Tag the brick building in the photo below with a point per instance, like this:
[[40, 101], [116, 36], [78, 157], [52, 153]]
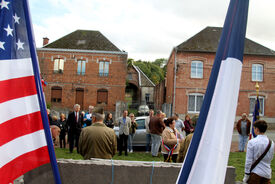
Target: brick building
[[189, 68], [83, 67]]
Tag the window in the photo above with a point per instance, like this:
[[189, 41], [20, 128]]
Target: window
[[195, 102], [81, 67], [196, 69], [257, 72], [252, 101], [140, 123], [147, 97], [102, 96], [58, 65], [56, 95], [130, 76], [103, 68]]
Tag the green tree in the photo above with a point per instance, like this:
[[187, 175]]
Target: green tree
[[153, 70], [160, 62]]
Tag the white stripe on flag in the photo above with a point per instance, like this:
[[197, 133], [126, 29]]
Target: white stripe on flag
[[215, 142], [18, 107], [21, 145], [15, 68]]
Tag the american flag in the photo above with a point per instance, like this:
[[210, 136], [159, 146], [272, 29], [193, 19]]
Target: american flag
[[23, 144]]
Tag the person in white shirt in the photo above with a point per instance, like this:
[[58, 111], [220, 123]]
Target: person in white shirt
[[255, 148], [88, 117]]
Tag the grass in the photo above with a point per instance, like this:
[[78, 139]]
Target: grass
[[136, 156], [236, 159]]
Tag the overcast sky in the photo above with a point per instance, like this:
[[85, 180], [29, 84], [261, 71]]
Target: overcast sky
[[146, 29]]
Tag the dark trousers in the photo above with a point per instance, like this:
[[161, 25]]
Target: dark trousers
[[256, 179], [73, 141], [122, 143], [174, 157], [62, 140]]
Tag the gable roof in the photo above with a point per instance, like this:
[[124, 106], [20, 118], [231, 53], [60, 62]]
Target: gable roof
[[208, 39], [83, 40], [143, 80]]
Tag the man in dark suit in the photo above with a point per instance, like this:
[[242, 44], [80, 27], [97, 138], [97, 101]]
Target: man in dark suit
[[74, 122]]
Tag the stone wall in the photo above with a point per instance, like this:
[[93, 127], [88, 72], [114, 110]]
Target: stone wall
[[114, 172]]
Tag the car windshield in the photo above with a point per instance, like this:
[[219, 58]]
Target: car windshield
[[143, 108], [141, 123]]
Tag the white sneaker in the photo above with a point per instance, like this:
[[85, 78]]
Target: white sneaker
[[131, 151], [127, 150]]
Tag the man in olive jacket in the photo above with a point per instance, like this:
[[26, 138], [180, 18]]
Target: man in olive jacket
[[97, 140]]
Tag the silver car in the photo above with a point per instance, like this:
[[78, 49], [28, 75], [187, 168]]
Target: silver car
[[140, 135]]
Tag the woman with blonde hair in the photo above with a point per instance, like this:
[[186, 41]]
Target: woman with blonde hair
[[62, 124]]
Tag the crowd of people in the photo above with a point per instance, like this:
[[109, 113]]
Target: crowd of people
[[94, 137], [160, 131]]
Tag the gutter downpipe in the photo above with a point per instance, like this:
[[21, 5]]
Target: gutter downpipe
[[175, 79]]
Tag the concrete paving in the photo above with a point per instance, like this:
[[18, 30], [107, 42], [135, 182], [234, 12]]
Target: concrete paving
[[270, 134]]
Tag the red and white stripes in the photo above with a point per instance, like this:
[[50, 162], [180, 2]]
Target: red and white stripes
[[23, 144]]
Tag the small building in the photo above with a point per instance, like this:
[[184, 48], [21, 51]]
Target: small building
[[140, 89], [83, 67], [190, 64]]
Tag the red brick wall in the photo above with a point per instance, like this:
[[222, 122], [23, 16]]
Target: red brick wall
[[185, 84], [159, 95], [69, 80], [170, 79]]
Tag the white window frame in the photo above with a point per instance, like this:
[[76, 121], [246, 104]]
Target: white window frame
[[257, 73], [196, 75], [194, 94], [104, 71], [81, 67], [261, 113], [58, 65]]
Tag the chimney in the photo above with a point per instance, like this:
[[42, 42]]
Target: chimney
[[45, 41]]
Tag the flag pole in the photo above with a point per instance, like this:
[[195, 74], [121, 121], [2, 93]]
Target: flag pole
[[251, 126], [256, 109], [40, 94], [257, 88]]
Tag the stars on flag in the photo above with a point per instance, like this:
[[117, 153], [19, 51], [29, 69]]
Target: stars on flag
[[16, 19], [11, 26], [2, 45], [4, 4], [9, 30], [20, 45]]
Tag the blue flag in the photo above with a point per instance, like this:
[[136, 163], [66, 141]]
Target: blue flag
[[207, 157], [256, 114]]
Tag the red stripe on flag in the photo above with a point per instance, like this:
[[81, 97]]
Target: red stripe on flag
[[23, 164], [17, 88], [20, 126]]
